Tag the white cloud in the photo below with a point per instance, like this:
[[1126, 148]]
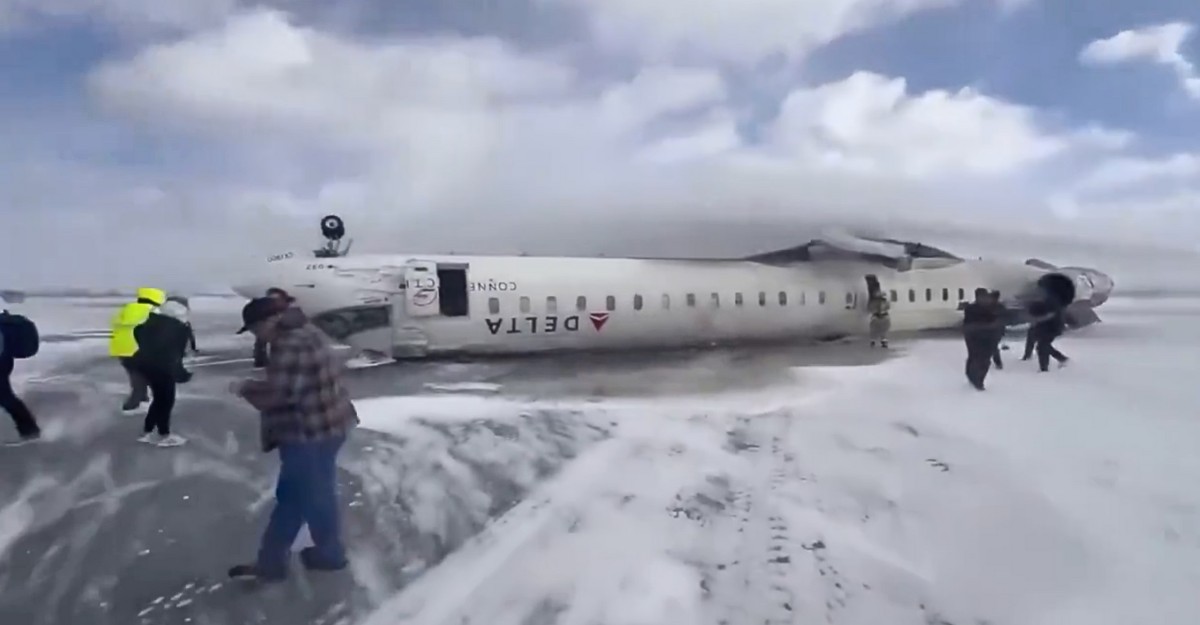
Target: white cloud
[[480, 97], [871, 122], [740, 30], [451, 123], [1124, 173], [1160, 44], [473, 144], [136, 15]]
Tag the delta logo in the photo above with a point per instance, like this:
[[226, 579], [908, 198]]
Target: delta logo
[[598, 319]]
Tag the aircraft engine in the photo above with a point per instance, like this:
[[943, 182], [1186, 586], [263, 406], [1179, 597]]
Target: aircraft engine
[[1057, 290]]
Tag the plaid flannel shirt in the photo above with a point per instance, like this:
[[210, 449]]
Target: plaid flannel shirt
[[302, 398]]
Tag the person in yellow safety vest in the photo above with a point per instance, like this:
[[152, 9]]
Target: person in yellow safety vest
[[123, 344]]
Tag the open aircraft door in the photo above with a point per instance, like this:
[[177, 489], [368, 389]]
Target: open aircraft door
[[421, 289]]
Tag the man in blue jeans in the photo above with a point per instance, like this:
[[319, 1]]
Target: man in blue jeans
[[306, 414]]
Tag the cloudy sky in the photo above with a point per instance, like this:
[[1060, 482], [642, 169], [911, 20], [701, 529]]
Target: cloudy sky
[[154, 139]]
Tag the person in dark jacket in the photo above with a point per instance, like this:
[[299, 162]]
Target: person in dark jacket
[[27, 427], [306, 414], [979, 333], [1002, 325], [162, 342], [1049, 323], [283, 300]]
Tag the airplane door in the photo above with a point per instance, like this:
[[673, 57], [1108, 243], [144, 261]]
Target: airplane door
[[421, 289]]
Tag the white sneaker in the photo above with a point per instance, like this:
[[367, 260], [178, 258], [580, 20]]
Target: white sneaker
[[150, 437], [172, 440]]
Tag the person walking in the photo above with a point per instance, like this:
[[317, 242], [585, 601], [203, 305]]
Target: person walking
[[306, 415], [184, 315], [162, 342], [1001, 313], [979, 333], [18, 340], [881, 322], [123, 344], [1048, 324], [283, 300]]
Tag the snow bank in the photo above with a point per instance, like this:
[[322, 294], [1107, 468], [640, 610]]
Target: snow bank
[[889, 494]]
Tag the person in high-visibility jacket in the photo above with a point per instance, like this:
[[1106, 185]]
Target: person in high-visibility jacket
[[124, 345]]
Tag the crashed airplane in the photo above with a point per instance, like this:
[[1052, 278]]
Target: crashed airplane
[[418, 305]]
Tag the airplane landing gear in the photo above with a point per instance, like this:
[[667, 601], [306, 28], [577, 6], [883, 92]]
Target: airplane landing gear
[[333, 229]]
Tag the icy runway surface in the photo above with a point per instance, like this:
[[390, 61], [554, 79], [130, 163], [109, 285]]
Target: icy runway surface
[[728, 487]]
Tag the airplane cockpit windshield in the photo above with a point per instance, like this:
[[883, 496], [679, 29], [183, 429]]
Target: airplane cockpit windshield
[[344, 322]]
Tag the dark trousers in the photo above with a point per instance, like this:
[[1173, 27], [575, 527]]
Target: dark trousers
[[21, 416], [138, 386], [306, 493], [260, 353], [1046, 350], [980, 350], [162, 387]]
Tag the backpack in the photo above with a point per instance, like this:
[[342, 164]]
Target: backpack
[[21, 338]]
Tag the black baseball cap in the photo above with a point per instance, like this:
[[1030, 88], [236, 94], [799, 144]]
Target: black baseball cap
[[276, 291], [257, 310]]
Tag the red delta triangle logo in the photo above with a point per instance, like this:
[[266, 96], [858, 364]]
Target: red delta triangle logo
[[598, 320]]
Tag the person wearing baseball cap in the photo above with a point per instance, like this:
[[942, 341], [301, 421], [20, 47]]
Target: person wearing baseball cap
[[306, 414], [283, 300]]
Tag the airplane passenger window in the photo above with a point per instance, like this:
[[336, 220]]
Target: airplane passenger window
[[494, 305], [610, 303], [962, 294], [666, 302], [929, 295], [783, 298], [581, 303], [912, 295], [551, 305], [691, 299], [821, 297], [637, 302], [894, 295], [945, 294], [716, 300], [737, 299], [762, 298], [524, 304], [803, 298]]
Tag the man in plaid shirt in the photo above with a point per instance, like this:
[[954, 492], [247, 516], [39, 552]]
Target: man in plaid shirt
[[306, 414]]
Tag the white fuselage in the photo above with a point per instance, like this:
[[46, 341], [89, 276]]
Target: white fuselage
[[413, 306]]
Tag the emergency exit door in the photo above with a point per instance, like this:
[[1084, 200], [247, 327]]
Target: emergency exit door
[[421, 289]]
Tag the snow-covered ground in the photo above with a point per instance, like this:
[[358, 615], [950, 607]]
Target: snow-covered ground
[[891, 494], [882, 495], [78, 328]]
